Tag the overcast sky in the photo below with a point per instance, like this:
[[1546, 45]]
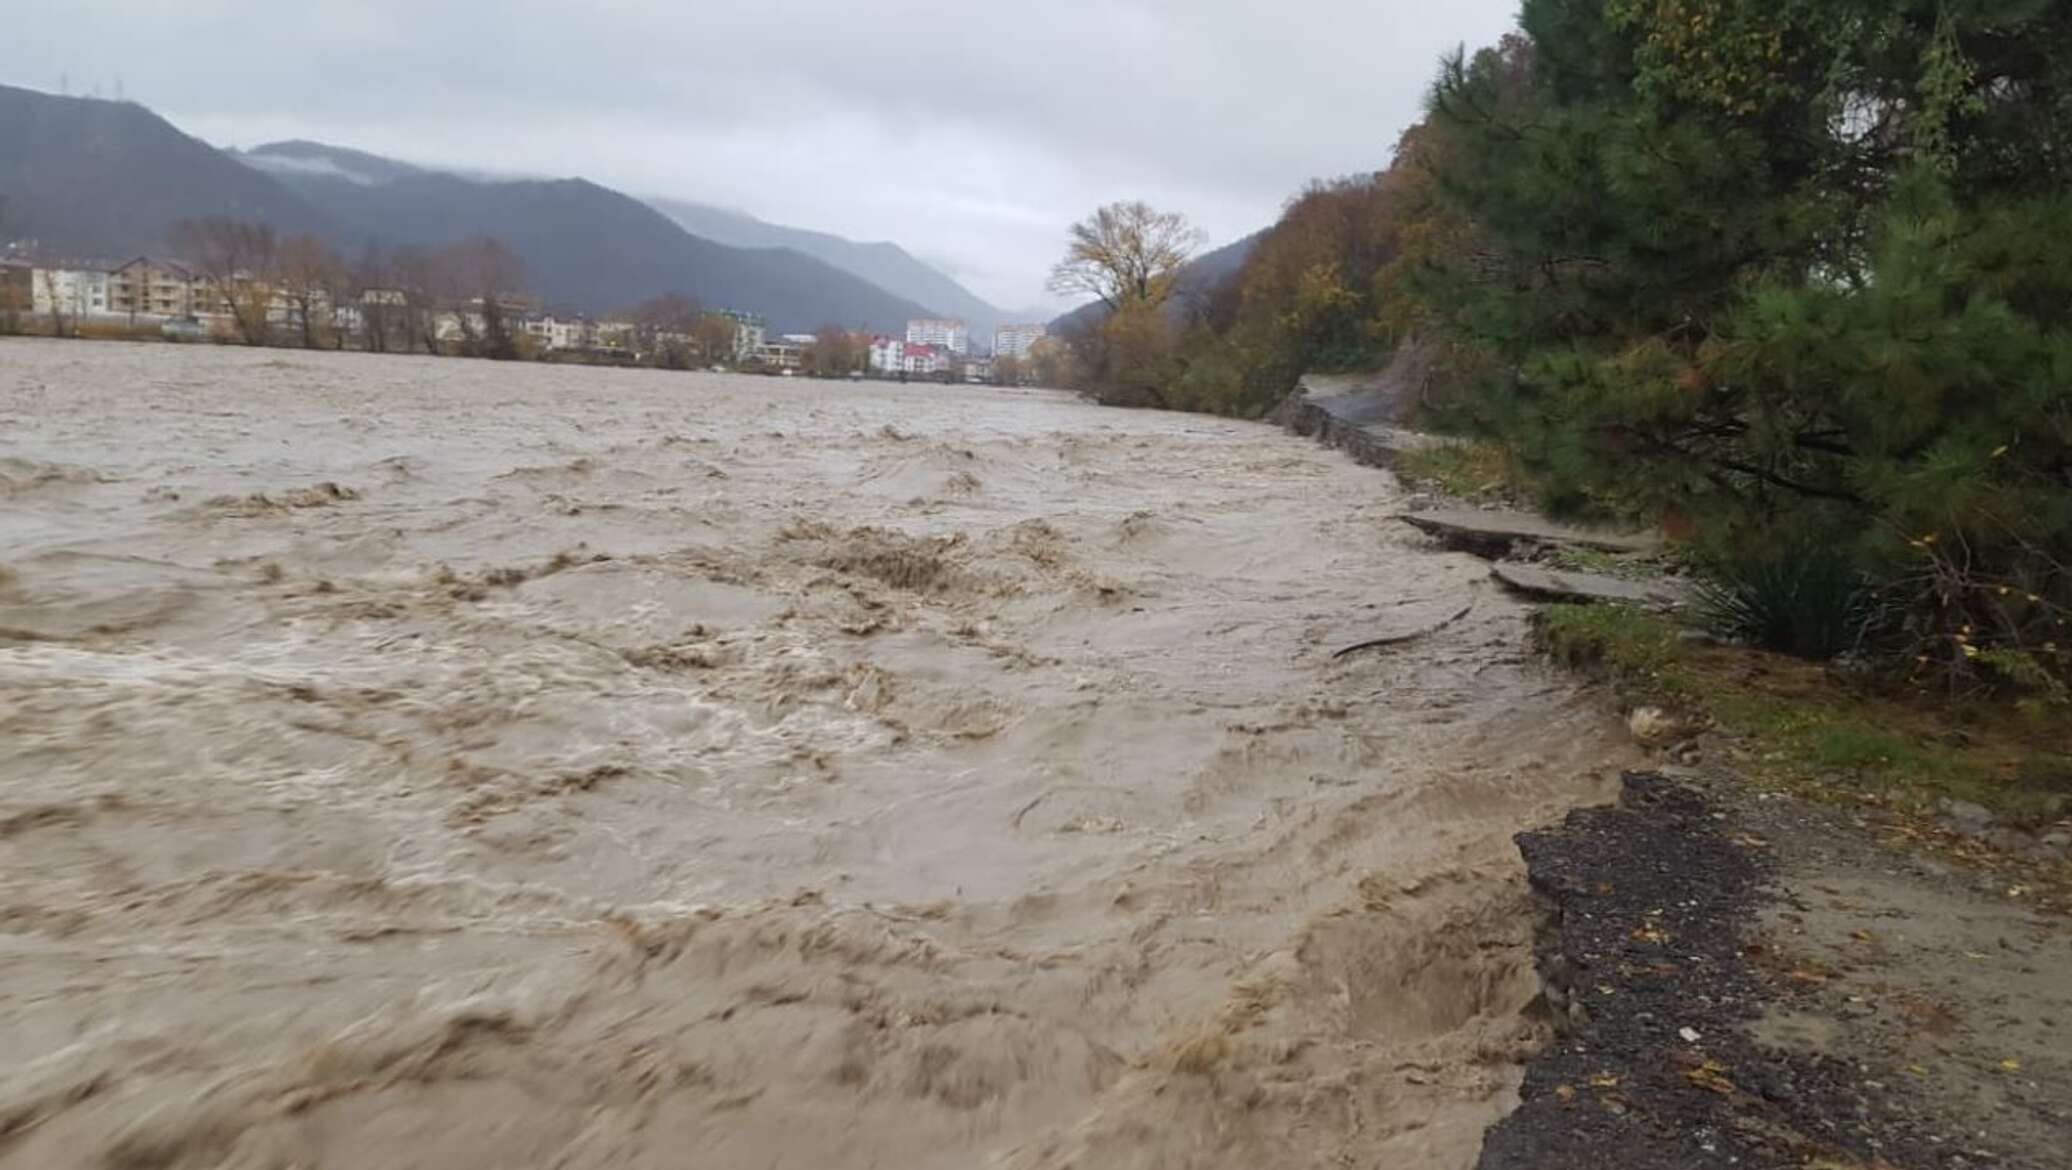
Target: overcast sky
[[971, 133]]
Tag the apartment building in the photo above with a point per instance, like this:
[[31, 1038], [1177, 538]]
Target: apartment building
[[749, 333], [954, 336], [147, 286], [888, 354], [1016, 340], [71, 292]]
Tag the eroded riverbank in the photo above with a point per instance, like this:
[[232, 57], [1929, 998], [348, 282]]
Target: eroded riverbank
[[421, 763]]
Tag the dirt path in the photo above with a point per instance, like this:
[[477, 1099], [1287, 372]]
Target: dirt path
[[1755, 982], [443, 764]]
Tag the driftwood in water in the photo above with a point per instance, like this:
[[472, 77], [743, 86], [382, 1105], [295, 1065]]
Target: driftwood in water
[[1399, 639]]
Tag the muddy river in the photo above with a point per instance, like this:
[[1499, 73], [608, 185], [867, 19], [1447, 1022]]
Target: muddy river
[[417, 763]]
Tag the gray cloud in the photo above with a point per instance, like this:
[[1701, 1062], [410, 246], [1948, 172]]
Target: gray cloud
[[973, 135]]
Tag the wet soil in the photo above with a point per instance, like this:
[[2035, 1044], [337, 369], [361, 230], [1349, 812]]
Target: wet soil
[[1754, 982]]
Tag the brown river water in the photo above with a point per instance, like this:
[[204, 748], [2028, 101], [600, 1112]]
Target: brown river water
[[420, 763]]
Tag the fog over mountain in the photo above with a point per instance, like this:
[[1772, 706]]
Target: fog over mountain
[[87, 178], [886, 265], [105, 179], [584, 245], [971, 136]]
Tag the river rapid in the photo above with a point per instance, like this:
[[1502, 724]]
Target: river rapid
[[446, 764]]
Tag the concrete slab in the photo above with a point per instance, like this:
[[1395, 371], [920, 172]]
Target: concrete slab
[[1562, 585], [1494, 533]]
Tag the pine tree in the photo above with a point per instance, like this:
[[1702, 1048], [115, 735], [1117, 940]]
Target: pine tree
[[1789, 269]]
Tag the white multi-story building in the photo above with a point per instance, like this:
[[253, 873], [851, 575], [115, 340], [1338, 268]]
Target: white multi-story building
[[782, 354], [749, 331], [954, 336], [612, 334], [926, 359], [1016, 340], [565, 332], [552, 332], [888, 355], [73, 292], [381, 306]]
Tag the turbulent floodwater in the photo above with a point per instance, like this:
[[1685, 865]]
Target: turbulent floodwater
[[416, 763]]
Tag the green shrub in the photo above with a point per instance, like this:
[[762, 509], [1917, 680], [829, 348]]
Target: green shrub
[[1809, 598]]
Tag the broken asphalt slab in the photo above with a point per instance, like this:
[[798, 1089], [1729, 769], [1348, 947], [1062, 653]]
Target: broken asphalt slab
[[1564, 585], [1498, 533]]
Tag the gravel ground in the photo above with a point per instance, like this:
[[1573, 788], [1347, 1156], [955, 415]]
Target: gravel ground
[[1739, 981]]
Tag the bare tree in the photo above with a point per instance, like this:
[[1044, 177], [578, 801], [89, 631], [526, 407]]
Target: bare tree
[[836, 351], [715, 334], [490, 282], [235, 259], [1126, 254], [308, 274], [341, 286], [422, 282], [1052, 362], [17, 292], [368, 289], [17, 295], [665, 328], [60, 325]]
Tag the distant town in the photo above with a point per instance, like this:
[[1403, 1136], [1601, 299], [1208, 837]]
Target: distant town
[[235, 284]]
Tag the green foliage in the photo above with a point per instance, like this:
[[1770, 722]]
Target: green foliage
[[1782, 271], [1468, 469], [1797, 729], [1324, 290], [1615, 639], [1809, 598]]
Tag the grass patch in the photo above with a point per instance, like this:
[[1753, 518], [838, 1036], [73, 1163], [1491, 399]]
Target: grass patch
[[1469, 468], [1623, 566], [1808, 730]]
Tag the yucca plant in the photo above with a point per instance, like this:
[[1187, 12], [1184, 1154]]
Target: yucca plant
[[1809, 598]]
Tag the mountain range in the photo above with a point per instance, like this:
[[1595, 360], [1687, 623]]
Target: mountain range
[[886, 265], [89, 177], [101, 178], [584, 246]]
